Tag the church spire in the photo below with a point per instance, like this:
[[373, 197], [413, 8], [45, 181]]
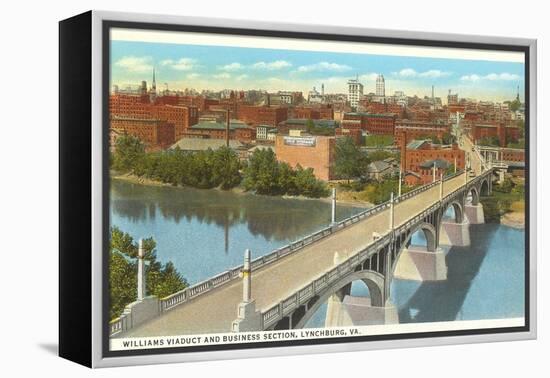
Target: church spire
[[154, 81]]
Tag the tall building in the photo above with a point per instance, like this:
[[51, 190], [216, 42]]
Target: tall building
[[380, 86], [355, 92], [452, 99]]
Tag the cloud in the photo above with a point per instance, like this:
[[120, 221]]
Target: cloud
[[504, 76], [368, 77], [271, 66], [135, 64], [411, 73], [193, 75], [241, 77], [182, 64], [324, 66], [235, 66], [223, 75]]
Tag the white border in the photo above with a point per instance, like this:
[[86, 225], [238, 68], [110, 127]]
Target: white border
[[97, 175], [212, 39]]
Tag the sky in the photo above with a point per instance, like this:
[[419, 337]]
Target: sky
[[207, 66]]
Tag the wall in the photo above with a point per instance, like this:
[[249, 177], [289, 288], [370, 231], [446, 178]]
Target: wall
[[318, 157]]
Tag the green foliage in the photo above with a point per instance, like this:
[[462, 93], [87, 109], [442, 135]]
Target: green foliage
[[128, 151], [381, 155], [161, 280], [448, 138], [203, 169], [220, 168], [450, 170], [262, 173], [313, 129], [382, 191], [265, 175], [379, 140], [435, 139], [505, 187], [349, 160], [514, 105], [492, 141]]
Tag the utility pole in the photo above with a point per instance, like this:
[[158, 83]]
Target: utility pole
[[441, 186], [399, 190], [333, 217], [391, 212], [227, 122]]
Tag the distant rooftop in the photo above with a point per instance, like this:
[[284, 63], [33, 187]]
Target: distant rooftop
[[439, 163], [416, 144], [378, 166], [233, 124], [202, 144], [316, 122]]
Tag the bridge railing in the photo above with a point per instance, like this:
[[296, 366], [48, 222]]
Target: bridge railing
[[173, 300], [317, 286], [183, 296]]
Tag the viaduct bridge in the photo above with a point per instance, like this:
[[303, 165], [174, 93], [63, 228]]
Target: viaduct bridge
[[283, 289]]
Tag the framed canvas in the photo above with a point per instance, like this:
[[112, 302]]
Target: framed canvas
[[232, 189]]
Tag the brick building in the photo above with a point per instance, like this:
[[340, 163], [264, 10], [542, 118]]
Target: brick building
[[498, 130], [216, 130], [380, 107], [355, 134], [409, 130], [261, 115], [419, 157], [140, 107], [312, 112], [378, 124], [315, 152], [155, 134], [301, 124]]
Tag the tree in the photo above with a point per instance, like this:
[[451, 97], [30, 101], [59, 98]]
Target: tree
[[128, 151], [450, 170], [308, 185], [226, 168], [262, 172], [489, 141], [349, 160], [161, 280], [448, 138], [287, 179]]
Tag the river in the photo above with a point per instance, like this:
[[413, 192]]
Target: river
[[204, 232]]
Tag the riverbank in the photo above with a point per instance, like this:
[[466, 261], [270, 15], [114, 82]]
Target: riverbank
[[341, 198], [515, 217]]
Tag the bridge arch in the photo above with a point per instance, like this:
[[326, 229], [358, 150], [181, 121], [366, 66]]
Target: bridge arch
[[484, 188], [430, 235], [472, 196], [374, 281], [458, 210]]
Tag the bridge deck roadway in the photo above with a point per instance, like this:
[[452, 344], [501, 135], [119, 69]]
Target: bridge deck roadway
[[214, 311]]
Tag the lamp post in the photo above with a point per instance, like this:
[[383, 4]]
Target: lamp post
[[247, 278], [333, 217], [141, 284]]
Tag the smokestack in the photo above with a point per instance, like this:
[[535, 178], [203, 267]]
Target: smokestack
[[227, 121]]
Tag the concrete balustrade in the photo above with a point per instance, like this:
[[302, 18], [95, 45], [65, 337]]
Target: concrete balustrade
[[249, 318]]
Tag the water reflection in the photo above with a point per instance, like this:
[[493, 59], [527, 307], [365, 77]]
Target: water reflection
[[214, 225], [484, 281]]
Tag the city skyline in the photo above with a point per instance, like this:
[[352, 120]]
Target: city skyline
[[228, 67]]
